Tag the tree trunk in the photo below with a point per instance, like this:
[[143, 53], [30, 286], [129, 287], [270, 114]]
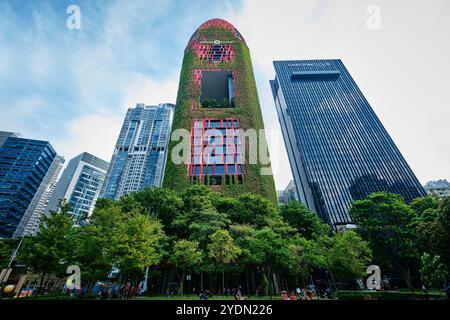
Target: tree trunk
[[183, 273], [223, 282], [270, 283], [39, 290], [201, 280], [247, 281], [252, 275], [407, 277]]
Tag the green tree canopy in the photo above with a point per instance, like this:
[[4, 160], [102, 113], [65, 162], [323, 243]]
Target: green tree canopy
[[222, 250], [349, 255], [163, 204], [385, 221], [186, 255], [7, 247], [303, 220], [422, 204], [254, 209], [432, 271], [306, 256], [52, 248], [436, 234]]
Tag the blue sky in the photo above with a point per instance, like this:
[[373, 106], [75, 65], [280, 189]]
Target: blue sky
[[72, 87], [51, 76]]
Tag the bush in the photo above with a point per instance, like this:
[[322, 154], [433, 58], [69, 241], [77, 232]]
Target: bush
[[387, 295], [52, 297]]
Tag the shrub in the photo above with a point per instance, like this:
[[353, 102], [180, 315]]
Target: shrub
[[387, 295]]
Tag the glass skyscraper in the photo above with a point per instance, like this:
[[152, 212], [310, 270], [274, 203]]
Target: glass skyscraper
[[140, 154], [337, 147], [80, 185], [24, 164], [29, 225]]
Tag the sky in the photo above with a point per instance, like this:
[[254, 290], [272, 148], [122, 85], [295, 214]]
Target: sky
[[72, 86]]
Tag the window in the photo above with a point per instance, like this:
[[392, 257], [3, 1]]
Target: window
[[217, 89]]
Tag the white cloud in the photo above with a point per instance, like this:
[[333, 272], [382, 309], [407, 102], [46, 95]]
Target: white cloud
[[141, 89], [401, 69], [93, 133]]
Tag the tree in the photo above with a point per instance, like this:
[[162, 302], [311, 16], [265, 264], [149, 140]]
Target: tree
[[117, 238], [186, 255], [94, 242], [255, 210], [385, 221], [304, 220], [348, 255], [432, 272], [52, 248], [306, 255], [222, 250], [163, 204], [436, 234], [272, 253], [244, 236], [422, 204], [230, 206], [196, 199], [205, 224], [137, 244], [7, 247]]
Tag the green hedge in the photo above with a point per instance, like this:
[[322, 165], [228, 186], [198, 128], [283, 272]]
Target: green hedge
[[51, 297], [388, 295]]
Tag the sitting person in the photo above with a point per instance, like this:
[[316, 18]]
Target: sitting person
[[237, 295], [293, 295]]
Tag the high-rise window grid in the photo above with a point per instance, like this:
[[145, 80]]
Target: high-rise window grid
[[139, 157], [216, 149], [338, 149]]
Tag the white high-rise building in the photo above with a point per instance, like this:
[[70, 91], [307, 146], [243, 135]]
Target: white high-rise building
[[80, 185], [439, 188], [140, 154]]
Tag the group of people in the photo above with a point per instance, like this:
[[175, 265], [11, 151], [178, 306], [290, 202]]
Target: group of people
[[298, 294], [236, 292]]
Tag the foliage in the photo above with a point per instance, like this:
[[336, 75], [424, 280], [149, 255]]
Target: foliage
[[186, 255], [245, 105], [253, 209], [222, 250], [129, 241], [204, 231], [136, 244], [306, 256], [385, 221], [7, 247], [348, 255], [432, 272], [303, 220], [52, 248], [386, 295], [424, 204], [160, 203], [434, 235]]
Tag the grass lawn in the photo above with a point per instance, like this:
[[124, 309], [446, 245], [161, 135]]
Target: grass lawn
[[195, 297]]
